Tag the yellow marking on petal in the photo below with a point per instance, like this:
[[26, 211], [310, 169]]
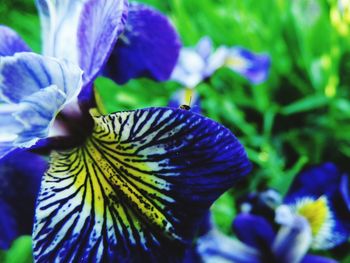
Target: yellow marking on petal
[[316, 212], [236, 62]]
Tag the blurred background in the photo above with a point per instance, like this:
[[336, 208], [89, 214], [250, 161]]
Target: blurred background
[[297, 118]]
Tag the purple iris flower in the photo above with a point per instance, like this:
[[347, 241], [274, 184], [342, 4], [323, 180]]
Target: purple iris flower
[[197, 63], [129, 186], [313, 215]]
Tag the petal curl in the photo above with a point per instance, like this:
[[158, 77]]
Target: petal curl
[[149, 47], [19, 186], [11, 42], [137, 189], [36, 88], [83, 31]]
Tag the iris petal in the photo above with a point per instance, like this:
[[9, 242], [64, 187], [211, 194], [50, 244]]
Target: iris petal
[[255, 231], [19, 185], [82, 31], [293, 239], [254, 67], [36, 89], [11, 42], [216, 247], [138, 187], [149, 47], [308, 189]]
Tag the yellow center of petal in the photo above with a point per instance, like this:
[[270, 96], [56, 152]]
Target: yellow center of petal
[[316, 212], [236, 62]]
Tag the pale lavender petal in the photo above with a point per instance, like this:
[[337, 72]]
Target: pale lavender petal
[[11, 42], [83, 31]]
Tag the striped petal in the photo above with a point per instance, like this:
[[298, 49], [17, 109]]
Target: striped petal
[[149, 47], [35, 88], [136, 190], [19, 186], [11, 42], [84, 31]]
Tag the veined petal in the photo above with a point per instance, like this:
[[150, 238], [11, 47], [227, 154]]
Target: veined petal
[[138, 188], [20, 176], [24, 74], [36, 89], [254, 67], [83, 31], [149, 47], [11, 42]]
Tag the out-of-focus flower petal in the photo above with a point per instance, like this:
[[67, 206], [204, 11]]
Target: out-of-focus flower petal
[[189, 70], [138, 189], [316, 194], [83, 31], [149, 47], [216, 61], [254, 67], [216, 247], [293, 239], [11, 42], [345, 190], [187, 97], [36, 89], [204, 47], [254, 231], [20, 176], [317, 259]]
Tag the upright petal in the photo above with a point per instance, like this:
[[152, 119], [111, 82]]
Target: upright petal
[[252, 66], [11, 42], [137, 190], [190, 68], [36, 89], [20, 176], [293, 240], [149, 47], [205, 47], [83, 31]]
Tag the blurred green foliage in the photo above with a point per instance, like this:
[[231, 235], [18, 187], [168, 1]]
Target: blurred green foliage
[[299, 117]]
